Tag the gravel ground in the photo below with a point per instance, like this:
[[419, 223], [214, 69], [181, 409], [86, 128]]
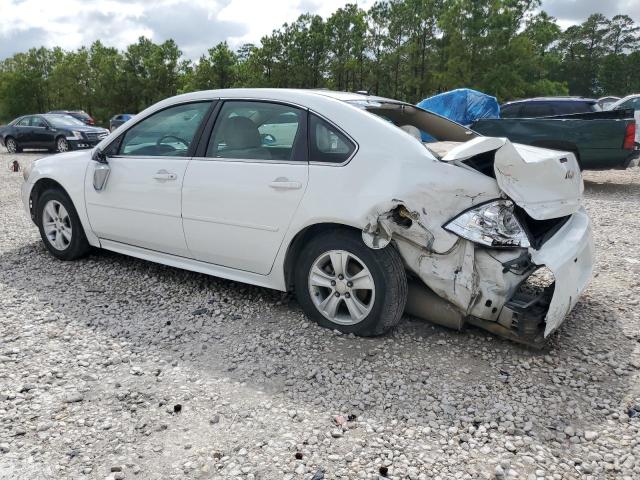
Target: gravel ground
[[112, 367]]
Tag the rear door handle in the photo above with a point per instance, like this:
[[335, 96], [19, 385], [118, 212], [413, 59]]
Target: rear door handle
[[282, 183], [164, 175]]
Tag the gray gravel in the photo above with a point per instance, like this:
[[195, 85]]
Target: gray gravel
[[116, 368]]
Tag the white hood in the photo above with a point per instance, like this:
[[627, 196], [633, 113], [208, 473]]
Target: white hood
[[545, 183]]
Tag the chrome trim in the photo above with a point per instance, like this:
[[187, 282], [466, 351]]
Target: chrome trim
[[249, 160]]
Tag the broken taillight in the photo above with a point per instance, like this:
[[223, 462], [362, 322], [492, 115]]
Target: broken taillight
[[630, 136]]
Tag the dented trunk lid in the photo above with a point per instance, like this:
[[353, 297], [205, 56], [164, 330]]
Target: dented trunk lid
[[545, 183]]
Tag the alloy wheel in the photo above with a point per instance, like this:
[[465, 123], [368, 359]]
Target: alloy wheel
[[12, 147], [57, 225], [341, 287], [63, 145]]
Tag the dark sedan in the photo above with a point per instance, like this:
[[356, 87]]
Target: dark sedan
[[119, 119], [54, 132]]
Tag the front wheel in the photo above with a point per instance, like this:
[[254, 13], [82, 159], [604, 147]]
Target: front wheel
[[60, 226], [62, 145], [343, 284]]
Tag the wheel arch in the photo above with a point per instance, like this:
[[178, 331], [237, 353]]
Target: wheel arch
[[300, 239], [41, 186]]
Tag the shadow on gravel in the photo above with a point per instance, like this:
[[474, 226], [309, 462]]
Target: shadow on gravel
[[606, 188], [226, 329]]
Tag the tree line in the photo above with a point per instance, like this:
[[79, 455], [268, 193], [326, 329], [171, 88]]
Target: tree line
[[404, 49]]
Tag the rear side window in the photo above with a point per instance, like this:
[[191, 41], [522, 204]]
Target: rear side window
[[253, 130], [538, 109], [24, 122], [326, 143], [510, 111]]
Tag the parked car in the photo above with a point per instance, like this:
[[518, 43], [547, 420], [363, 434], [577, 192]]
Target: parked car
[[81, 115], [630, 102], [605, 103], [331, 195], [119, 119], [548, 107], [55, 132], [599, 140]]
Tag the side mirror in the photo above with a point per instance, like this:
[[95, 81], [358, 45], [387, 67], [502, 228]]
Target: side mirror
[[99, 156]]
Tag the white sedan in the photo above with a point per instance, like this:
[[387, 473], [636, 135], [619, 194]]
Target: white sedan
[[364, 206]]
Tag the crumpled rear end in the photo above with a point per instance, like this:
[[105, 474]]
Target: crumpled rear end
[[465, 282]]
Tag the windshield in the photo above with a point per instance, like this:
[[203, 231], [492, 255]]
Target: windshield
[[63, 121], [422, 124]]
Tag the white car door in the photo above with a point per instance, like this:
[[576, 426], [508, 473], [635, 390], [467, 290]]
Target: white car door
[[140, 204], [238, 200]]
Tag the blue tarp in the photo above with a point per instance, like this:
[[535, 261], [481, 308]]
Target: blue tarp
[[463, 105]]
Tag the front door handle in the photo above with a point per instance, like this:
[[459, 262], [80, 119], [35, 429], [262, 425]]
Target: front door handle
[[164, 175], [282, 183]]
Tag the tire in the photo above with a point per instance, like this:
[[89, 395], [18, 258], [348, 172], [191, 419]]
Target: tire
[[62, 145], [64, 246], [12, 145], [319, 289]]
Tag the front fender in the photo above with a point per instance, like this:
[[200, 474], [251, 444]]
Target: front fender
[[68, 171]]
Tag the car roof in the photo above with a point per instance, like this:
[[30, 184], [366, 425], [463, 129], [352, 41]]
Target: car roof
[[291, 94], [624, 99], [552, 99]]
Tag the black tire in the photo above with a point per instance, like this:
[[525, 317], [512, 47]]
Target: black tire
[[387, 270], [16, 148], [78, 246]]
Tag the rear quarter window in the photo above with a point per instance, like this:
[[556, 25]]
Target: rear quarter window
[[327, 144]]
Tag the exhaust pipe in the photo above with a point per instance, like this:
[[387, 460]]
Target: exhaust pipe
[[422, 302]]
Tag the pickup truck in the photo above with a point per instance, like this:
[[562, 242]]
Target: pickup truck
[[599, 140]]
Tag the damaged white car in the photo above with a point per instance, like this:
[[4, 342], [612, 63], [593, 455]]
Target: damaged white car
[[364, 206]]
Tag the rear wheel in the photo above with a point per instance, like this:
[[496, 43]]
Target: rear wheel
[[60, 226], [343, 284], [12, 145]]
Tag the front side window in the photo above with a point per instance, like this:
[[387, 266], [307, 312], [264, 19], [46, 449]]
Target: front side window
[[327, 143], [255, 131], [167, 133], [37, 122], [510, 111]]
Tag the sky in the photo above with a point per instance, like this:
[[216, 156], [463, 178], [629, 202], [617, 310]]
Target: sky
[[197, 25]]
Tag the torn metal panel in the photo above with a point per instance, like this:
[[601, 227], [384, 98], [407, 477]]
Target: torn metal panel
[[545, 183], [569, 256]]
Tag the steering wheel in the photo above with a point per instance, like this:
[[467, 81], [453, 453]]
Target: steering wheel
[[181, 140]]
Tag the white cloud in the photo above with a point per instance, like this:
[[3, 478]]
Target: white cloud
[[195, 25]]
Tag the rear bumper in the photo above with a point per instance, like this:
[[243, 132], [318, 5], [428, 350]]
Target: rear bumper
[[569, 254], [493, 289]]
